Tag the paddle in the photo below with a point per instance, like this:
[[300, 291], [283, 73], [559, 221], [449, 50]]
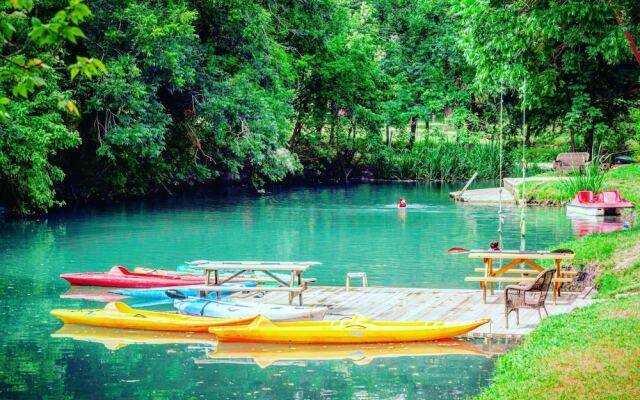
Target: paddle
[[564, 251]]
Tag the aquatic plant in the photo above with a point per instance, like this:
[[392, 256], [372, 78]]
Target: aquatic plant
[[590, 178], [438, 161]]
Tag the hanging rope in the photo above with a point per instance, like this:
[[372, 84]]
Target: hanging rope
[[500, 216], [523, 203]]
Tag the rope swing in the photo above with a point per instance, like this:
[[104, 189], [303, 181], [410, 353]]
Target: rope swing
[[500, 215], [523, 203]]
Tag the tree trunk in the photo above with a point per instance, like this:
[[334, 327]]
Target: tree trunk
[[413, 128], [297, 129], [388, 137], [588, 142], [572, 135], [426, 128], [332, 130], [353, 128]]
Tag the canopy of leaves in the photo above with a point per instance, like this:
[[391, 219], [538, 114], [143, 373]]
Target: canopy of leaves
[[128, 98]]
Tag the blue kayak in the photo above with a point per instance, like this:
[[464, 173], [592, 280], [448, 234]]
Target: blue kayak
[[244, 309], [162, 293]]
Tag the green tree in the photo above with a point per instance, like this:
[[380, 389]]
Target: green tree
[[426, 68], [32, 125], [573, 56]]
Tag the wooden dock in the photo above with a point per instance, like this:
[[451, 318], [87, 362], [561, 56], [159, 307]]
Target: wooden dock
[[404, 304], [492, 195], [484, 196]]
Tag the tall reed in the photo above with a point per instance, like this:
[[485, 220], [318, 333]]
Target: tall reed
[[441, 161], [590, 178]]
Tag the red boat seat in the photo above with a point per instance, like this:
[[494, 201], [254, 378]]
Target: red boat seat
[[585, 196], [609, 196]]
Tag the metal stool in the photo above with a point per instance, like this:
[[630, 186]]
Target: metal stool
[[362, 275]]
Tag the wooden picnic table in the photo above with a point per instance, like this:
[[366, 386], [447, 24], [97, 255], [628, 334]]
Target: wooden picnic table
[[270, 268], [518, 258]]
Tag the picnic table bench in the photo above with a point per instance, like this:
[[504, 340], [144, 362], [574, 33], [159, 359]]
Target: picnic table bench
[[570, 161], [492, 276], [270, 268]]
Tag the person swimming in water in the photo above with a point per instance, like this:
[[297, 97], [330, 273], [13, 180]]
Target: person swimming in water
[[402, 203]]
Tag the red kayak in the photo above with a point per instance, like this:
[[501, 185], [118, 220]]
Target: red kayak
[[120, 277]]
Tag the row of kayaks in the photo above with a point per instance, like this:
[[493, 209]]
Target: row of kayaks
[[142, 284], [237, 320], [358, 329]]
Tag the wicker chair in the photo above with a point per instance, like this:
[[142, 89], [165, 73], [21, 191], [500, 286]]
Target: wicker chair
[[531, 295]]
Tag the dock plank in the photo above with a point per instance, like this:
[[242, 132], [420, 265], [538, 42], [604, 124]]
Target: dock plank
[[403, 304]]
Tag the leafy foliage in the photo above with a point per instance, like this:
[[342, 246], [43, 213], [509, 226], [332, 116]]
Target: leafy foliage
[[568, 60], [32, 128], [259, 90]]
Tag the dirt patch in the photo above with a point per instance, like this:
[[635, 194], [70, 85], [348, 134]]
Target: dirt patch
[[584, 278], [544, 203], [618, 313], [627, 258]]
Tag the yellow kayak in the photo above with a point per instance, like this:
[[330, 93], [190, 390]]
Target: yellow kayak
[[120, 315], [266, 354], [115, 339], [357, 330]]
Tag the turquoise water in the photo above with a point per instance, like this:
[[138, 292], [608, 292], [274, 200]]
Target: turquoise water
[[347, 229]]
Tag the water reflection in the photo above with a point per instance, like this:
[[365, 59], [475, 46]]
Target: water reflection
[[586, 225], [115, 339], [265, 355]]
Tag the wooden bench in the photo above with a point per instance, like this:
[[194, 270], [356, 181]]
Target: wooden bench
[[530, 272], [295, 285], [500, 279], [206, 289], [304, 282], [504, 279], [570, 161]]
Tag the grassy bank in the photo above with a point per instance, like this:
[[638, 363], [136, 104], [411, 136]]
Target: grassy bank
[[605, 251], [593, 352], [626, 179]]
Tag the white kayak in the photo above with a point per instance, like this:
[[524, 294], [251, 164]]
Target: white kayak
[[238, 309]]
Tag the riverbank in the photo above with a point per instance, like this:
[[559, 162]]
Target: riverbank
[[626, 179], [594, 351]]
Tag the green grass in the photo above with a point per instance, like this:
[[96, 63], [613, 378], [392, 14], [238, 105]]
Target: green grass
[[591, 353], [544, 153], [616, 282], [544, 192], [627, 180], [603, 250]]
